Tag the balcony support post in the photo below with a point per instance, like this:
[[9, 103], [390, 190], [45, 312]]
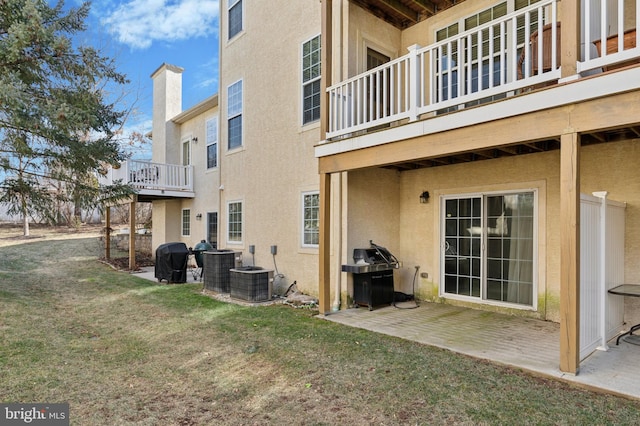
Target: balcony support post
[[107, 232], [414, 82], [324, 294], [570, 252], [132, 233]]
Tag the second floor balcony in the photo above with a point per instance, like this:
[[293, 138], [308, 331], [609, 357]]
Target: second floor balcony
[[154, 180], [512, 55]]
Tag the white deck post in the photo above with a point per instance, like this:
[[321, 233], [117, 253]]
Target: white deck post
[[414, 82], [602, 279]]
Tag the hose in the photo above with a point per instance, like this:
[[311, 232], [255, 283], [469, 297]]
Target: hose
[[413, 293]]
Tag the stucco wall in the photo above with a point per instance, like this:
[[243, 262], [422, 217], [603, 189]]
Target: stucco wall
[[276, 162], [611, 167]]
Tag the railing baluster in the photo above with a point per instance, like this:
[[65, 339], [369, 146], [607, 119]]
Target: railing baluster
[[603, 28], [586, 34], [620, 25], [469, 64], [420, 81]]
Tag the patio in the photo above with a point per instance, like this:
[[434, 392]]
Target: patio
[[522, 343]]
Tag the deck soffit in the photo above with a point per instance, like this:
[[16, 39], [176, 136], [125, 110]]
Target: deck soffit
[[404, 13]]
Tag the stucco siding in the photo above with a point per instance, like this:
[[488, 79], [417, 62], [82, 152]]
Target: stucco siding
[[412, 230], [276, 162]]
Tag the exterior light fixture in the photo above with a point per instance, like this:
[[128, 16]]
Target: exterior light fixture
[[424, 197], [199, 216], [194, 139]]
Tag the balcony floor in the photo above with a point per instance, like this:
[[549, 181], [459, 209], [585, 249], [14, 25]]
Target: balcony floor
[[527, 344]]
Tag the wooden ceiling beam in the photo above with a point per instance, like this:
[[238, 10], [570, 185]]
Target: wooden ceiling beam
[[534, 147], [508, 150], [599, 136], [402, 9], [426, 6]]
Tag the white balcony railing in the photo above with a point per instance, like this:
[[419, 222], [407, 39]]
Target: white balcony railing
[[153, 176], [488, 62]]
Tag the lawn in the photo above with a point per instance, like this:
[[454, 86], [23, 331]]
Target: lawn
[[122, 350]]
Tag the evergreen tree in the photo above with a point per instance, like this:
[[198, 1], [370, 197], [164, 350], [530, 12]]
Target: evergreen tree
[[55, 122]]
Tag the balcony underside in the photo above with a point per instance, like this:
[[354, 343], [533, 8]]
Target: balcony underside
[[404, 13], [530, 147], [148, 195]]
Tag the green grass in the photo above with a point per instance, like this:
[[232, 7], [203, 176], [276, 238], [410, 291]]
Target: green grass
[[122, 350]]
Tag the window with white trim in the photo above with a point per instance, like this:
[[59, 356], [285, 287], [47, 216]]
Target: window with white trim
[[186, 222], [234, 115], [234, 222], [311, 80], [186, 152], [235, 17], [310, 219], [488, 247], [212, 142]]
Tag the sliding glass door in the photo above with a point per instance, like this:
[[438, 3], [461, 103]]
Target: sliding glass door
[[488, 247]]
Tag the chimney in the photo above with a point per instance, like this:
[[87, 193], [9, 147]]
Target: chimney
[[167, 103]]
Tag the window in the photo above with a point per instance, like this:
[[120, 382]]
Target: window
[[310, 218], [212, 229], [378, 86], [311, 80], [235, 222], [186, 222], [212, 142], [234, 114], [488, 247], [186, 152], [235, 17]]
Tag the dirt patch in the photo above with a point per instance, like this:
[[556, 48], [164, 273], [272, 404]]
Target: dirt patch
[[122, 263]]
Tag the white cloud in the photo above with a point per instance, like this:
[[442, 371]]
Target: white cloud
[[139, 23]]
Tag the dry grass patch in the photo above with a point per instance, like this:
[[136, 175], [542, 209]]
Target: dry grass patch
[[122, 350]]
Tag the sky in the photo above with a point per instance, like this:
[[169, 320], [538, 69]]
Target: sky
[[141, 35]]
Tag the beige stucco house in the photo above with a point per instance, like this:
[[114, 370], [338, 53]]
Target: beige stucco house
[[491, 146], [247, 154]]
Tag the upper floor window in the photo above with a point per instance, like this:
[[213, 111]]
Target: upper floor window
[[186, 152], [311, 80], [235, 17], [186, 222], [310, 219], [234, 222], [212, 142], [234, 114]]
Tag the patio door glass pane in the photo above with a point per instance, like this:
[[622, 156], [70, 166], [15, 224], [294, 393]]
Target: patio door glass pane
[[510, 248], [463, 239]]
